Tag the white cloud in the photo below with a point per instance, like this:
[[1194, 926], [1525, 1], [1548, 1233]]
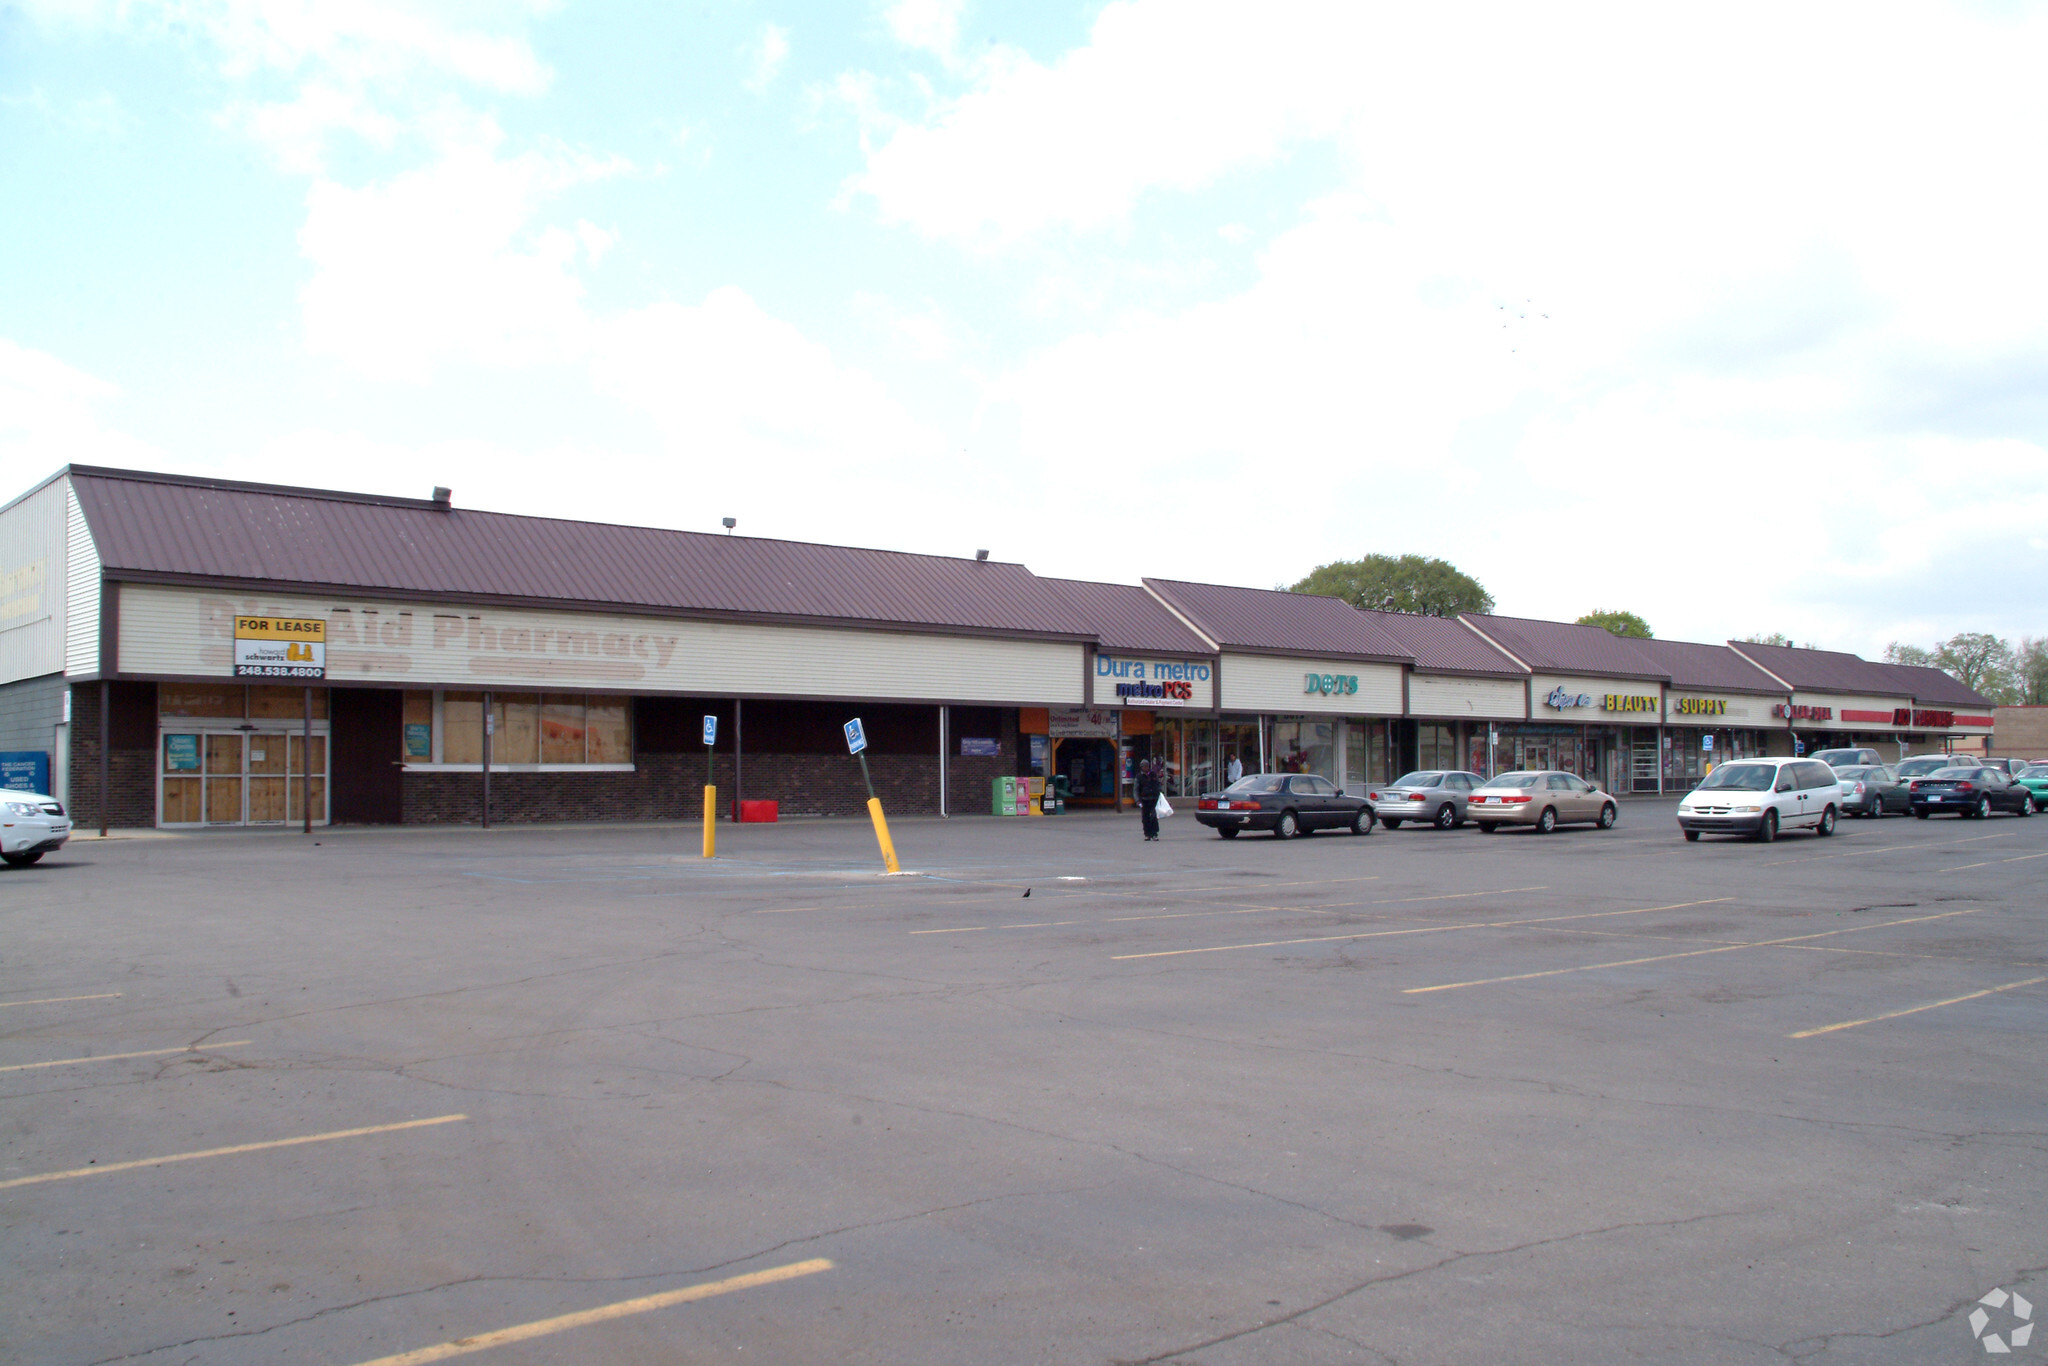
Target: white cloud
[[929, 25], [765, 56], [49, 417], [443, 264]]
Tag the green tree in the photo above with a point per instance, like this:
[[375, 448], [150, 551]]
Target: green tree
[[2031, 671], [1980, 661], [1774, 638], [1618, 623], [1409, 583], [1896, 653]]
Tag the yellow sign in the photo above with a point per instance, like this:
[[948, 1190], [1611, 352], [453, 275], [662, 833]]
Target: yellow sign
[[1701, 706], [280, 628], [1624, 702]]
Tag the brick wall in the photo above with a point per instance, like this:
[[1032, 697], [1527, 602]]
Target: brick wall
[[131, 766], [2020, 732]]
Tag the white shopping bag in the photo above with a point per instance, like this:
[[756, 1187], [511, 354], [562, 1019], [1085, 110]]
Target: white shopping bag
[[1160, 808]]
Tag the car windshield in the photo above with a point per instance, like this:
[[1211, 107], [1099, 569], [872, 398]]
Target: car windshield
[[1419, 780], [1850, 770], [1256, 782], [2035, 771], [1742, 777], [1915, 768], [1517, 780], [1953, 773]]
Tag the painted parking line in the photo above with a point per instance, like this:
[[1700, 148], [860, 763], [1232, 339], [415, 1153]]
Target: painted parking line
[[103, 1169], [540, 1328], [53, 1000], [1915, 1010], [1795, 941], [1887, 849], [1420, 929], [1989, 863], [117, 1057]]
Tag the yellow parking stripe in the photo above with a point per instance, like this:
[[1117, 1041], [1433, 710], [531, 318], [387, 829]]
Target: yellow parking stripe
[[116, 1057], [562, 1323], [103, 1170], [53, 1000], [1915, 1010]]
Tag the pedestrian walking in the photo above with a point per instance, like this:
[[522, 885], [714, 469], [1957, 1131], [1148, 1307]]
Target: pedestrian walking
[[1236, 769], [1148, 798]]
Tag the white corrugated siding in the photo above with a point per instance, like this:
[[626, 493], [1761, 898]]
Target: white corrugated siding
[[1278, 683], [189, 631], [1491, 699], [32, 585], [81, 590]]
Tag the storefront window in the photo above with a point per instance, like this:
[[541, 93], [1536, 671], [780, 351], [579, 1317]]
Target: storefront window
[[527, 729], [1305, 747], [229, 701]]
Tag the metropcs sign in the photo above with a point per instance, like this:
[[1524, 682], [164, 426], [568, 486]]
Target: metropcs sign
[[1170, 681]]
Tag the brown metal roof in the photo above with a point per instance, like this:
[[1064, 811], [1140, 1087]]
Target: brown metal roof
[[1442, 644], [1276, 621], [1934, 687], [203, 529], [1713, 668], [1125, 617], [1824, 670], [1566, 647]]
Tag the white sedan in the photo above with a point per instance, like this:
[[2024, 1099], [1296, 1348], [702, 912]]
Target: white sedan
[[31, 825]]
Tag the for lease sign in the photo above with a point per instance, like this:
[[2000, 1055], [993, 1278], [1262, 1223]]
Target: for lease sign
[[280, 647]]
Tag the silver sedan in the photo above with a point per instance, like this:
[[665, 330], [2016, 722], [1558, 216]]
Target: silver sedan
[[1437, 796]]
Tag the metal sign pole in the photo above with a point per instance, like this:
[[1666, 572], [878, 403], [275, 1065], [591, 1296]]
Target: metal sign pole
[[488, 728], [857, 745], [710, 789]]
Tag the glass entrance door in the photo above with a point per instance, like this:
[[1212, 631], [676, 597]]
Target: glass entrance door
[[248, 775]]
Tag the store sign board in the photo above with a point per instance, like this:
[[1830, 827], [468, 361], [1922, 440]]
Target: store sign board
[[1330, 685], [972, 747], [1152, 682], [1072, 722], [1787, 711], [1631, 702], [1699, 706], [280, 647], [419, 741], [181, 754], [1563, 699]]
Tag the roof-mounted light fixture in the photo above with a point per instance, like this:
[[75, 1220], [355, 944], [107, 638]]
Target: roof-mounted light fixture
[[981, 557], [444, 499], [730, 523]]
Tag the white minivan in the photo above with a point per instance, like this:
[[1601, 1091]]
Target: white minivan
[[1760, 797]]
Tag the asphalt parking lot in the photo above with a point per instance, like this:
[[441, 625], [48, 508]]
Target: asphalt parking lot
[[552, 1095]]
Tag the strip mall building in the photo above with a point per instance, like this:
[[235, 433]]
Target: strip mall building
[[191, 652]]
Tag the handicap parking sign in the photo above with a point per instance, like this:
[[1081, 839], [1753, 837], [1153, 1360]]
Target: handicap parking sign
[[856, 738]]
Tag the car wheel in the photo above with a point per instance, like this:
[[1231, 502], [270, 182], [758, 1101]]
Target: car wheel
[[1607, 816], [1767, 832], [1486, 827], [1983, 811], [1547, 822], [1692, 837], [1827, 823], [1877, 809], [1392, 822], [1446, 818], [1287, 827], [1228, 832], [1922, 814], [2027, 805], [1361, 824], [21, 860]]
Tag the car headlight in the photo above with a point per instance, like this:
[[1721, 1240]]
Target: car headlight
[[1749, 810], [22, 808]]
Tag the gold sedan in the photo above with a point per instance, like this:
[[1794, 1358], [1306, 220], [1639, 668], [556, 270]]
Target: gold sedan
[[1542, 798]]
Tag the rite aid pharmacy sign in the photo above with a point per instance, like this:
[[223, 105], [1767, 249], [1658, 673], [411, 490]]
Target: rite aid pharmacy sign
[[280, 647]]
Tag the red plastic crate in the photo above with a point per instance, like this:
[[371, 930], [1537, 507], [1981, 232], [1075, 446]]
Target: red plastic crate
[[757, 811]]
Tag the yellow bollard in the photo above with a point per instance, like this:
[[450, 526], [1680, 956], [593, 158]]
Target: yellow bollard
[[882, 834], [710, 821]]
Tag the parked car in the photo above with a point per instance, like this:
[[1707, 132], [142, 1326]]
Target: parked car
[[1760, 797], [1920, 765], [31, 825], [1541, 798], [1288, 804], [1847, 758], [2034, 777], [1871, 790], [2008, 766], [1970, 791], [1436, 796]]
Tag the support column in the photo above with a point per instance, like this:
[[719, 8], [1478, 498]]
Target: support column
[[944, 718], [489, 727], [735, 761], [106, 738]]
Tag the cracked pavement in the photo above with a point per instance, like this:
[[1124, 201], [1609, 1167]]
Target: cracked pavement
[[1016, 1141]]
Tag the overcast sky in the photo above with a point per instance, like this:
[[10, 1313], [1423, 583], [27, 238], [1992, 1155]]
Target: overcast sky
[[1736, 317]]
